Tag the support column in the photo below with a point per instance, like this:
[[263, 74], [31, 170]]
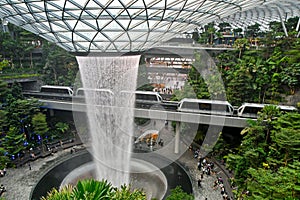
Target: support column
[[177, 137], [51, 112], [282, 23], [297, 28]]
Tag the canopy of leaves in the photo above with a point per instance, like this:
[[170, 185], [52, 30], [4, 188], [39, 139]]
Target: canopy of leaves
[[178, 193], [267, 162]]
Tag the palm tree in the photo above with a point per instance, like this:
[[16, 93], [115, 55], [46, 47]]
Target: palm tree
[[64, 194], [91, 189], [62, 127], [241, 44]]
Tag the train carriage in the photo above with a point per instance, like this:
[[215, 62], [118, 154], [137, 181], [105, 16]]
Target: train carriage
[[250, 110], [205, 106], [53, 89]]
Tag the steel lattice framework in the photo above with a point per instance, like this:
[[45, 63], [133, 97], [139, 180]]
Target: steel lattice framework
[[133, 25]]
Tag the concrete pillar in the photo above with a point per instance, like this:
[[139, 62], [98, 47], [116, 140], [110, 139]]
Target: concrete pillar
[[51, 112], [177, 138]]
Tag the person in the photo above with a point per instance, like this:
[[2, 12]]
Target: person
[[29, 166], [2, 189], [32, 155], [199, 183], [161, 142]]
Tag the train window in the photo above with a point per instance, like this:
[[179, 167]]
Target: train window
[[205, 106], [189, 105], [221, 107], [146, 97], [56, 90], [252, 110]]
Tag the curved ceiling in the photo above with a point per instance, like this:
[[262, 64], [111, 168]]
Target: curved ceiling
[[133, 25]]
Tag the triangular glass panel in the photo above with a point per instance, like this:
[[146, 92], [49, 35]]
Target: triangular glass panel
[[78, 38], [123, 37], [115, 4], [82, 46], [153, 24], [113, 25], [90, 35], [58, 27], [70, 5], [158, 4], [102, 23], [112, 35], [124, 23], [81, 26], [100, 37], [176, 4], [142, 26], [135, 23], [114, 11], [65, 36], [55, 14], [96, 47]]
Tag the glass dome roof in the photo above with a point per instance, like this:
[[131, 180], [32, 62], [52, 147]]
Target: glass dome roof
[[133, 25]]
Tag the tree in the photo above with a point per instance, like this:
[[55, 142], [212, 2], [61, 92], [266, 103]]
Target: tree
[[3, 64], [60, 67], [63, 194], [62, 127], [178, 193], [238, 31], [224, 26], [211, 31], [13, 142], [252, 30], [241, 44], [267, 184], [127, 193], [16, 90], [3, 91], [3, 121], [20, 112], [286, 136], [40, 126], [4, 160], [267, 162], [205, 73]]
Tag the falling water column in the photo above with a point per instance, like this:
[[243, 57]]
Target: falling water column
[[110, 113]]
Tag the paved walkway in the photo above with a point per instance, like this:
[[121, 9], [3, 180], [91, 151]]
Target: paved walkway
[[19, 182]]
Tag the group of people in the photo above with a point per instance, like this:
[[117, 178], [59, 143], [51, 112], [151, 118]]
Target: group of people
[[218, 183], [165, 90], [207, 168]]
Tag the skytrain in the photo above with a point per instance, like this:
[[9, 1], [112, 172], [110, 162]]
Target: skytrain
[[145, 99]]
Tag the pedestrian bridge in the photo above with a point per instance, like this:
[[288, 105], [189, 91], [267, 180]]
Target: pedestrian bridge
[[226, 121]]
